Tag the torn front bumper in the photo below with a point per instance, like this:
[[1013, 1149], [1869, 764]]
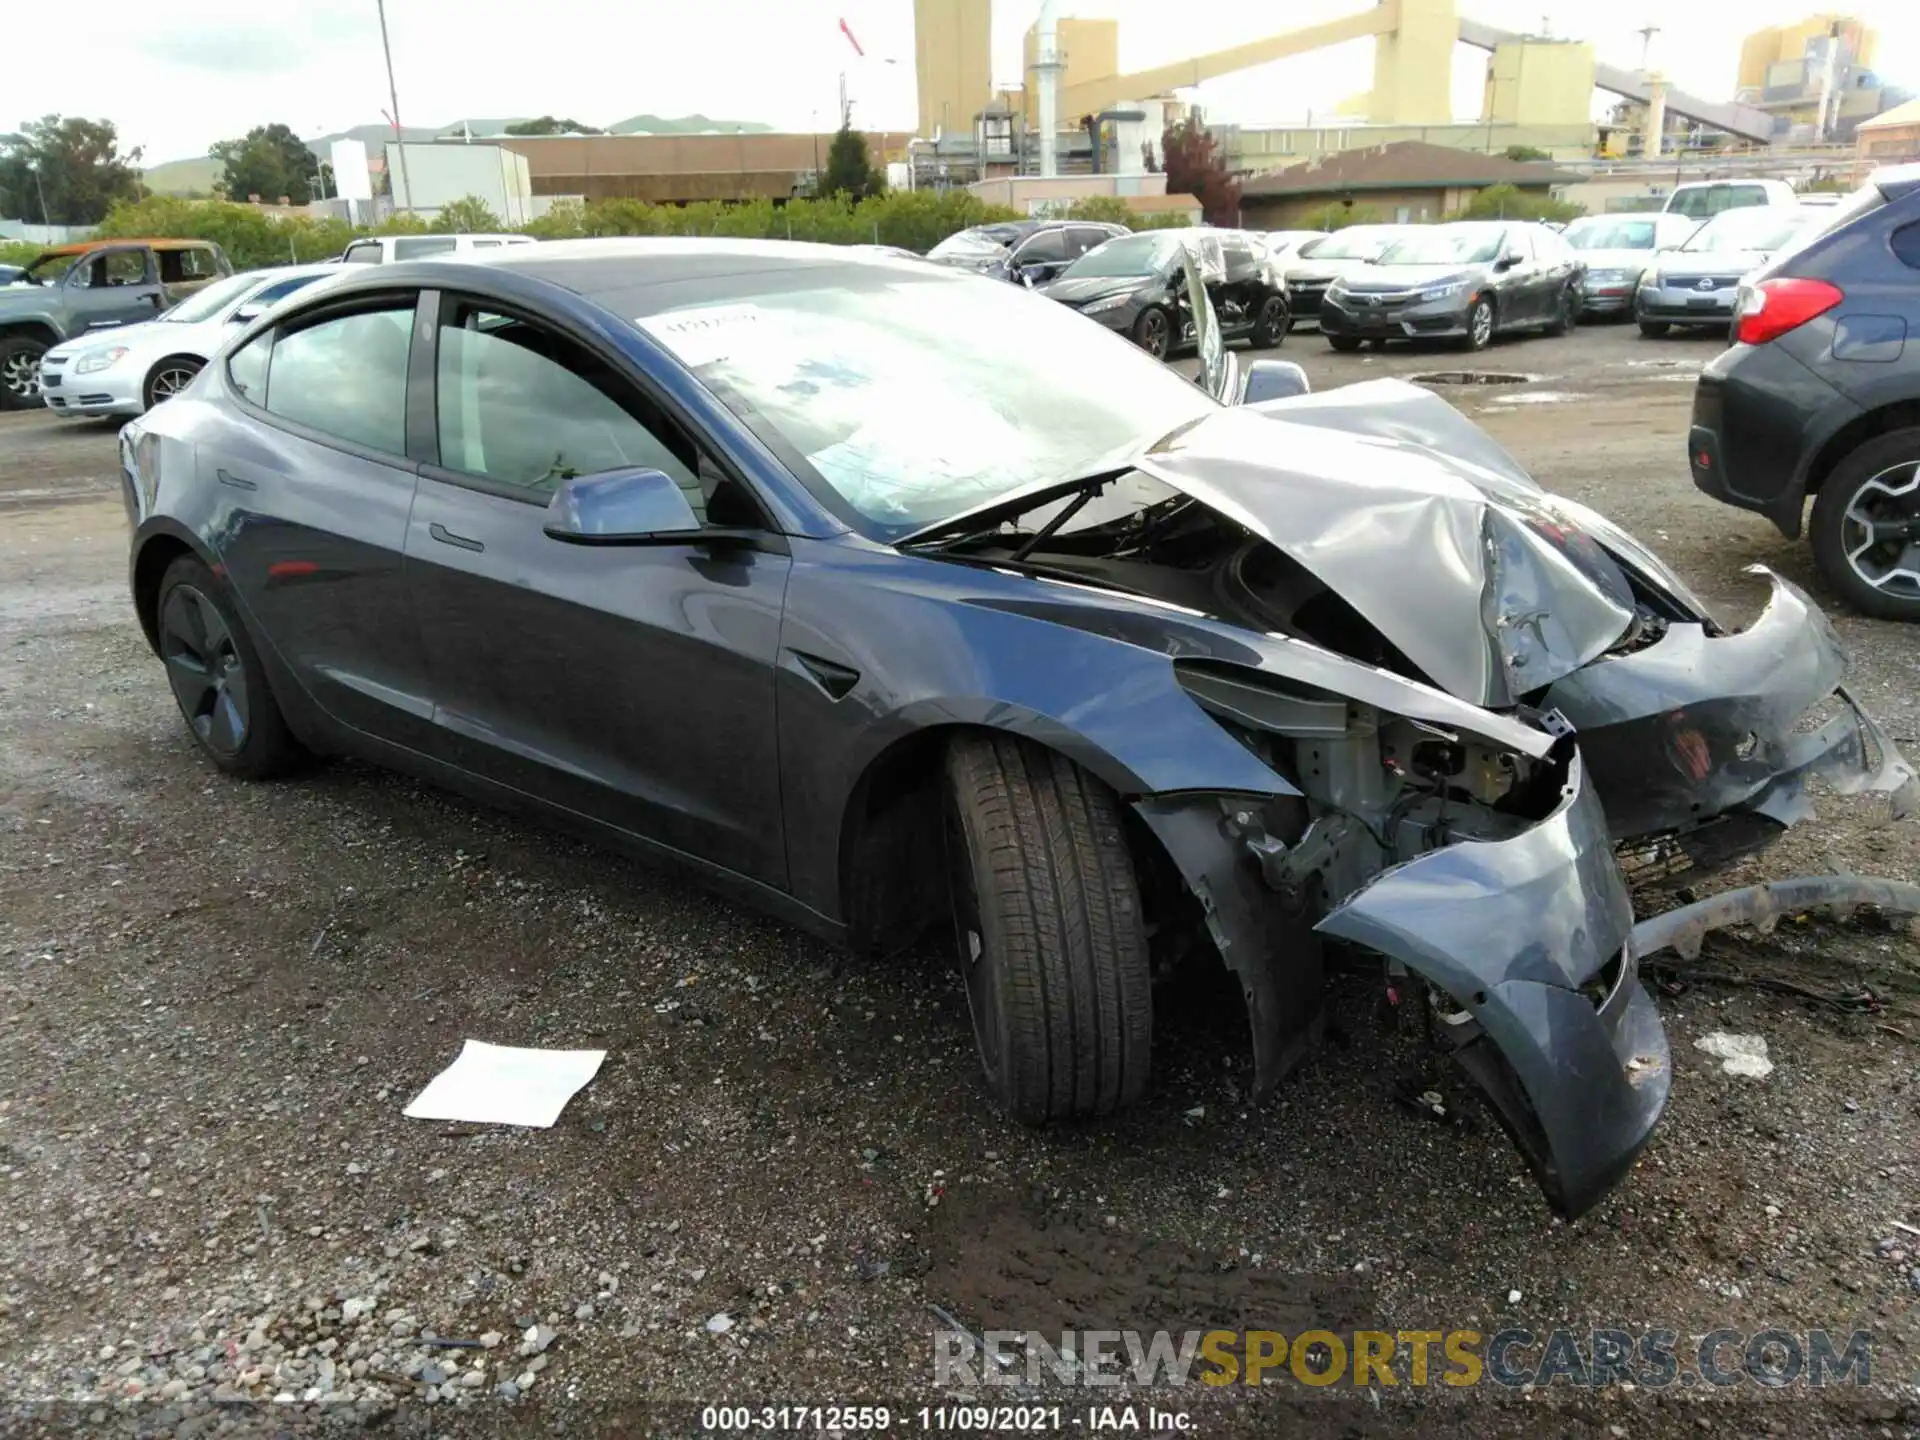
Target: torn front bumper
[[1698, 730], [1528, 938]]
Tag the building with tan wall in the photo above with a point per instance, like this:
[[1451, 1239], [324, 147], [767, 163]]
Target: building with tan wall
[[1889, 139], [1405, 181], [952, 62], [681, 169]]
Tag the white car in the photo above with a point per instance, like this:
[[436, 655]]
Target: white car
[[385, 249], [131, 368]]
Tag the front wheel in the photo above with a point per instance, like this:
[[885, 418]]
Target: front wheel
[[169, 378], [1271, 325], [1152, 332], [1479, 325], [1049, 932], [1345, 344], [1654, 329], [20, 372], [1866, 527]]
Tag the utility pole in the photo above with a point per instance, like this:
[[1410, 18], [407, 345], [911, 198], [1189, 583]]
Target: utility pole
[[393, 95], [41, 191], [1646, 34]]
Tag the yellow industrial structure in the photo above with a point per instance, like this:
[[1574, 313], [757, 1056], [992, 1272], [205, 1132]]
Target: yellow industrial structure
[[1788, 44], [1814, 78], [1533, 84]]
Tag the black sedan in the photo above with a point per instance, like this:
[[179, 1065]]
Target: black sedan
[[888, 598], [1466, 281], [1137, 286]]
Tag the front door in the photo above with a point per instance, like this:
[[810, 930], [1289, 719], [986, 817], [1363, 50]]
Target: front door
[[631, 685], [112, 287], [314, 503]]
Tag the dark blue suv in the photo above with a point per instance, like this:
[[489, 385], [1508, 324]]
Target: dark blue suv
[[1820, 395]]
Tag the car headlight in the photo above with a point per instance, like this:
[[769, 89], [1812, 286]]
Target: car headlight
[[97, 360], [1112, 302], [1444, 292]]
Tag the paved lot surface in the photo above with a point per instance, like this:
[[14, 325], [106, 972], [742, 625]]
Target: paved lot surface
[[216, 998]]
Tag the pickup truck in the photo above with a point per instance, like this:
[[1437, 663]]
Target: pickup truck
[[69, 290]]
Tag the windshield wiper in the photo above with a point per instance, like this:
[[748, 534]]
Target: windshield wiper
[[957, 531]]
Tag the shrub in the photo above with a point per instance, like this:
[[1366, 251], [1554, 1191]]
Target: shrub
[[18, 252], [1507, 202]]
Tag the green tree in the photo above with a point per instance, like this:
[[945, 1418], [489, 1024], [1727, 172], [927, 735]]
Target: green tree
[[1526, 152], [469, 215], [268, 161], [1338, 214], [69, 171], [548, 125], [850, 170], [1508, 202]]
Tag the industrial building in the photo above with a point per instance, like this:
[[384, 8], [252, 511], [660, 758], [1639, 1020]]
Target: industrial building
[[1816, 78]]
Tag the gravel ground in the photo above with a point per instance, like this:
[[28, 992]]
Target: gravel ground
[[216, 998]]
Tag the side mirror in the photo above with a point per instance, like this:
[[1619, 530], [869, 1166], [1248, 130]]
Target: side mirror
[[621, 507], [1506, 262], [247, 312], [1273, 380]]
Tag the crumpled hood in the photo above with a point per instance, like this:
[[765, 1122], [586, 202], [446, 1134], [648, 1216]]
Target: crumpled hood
[[1419, 520], [1085, 289]]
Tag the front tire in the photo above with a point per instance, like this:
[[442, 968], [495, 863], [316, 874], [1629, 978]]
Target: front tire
[[1345, 344], [1479, 325], [1272, 324], [1153, 332], [1866, 527], [169, 378], [1654, 329], [1048, 926], [216, 676], [20, 372]]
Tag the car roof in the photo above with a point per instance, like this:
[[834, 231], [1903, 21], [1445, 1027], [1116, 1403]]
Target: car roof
[[82, 247]]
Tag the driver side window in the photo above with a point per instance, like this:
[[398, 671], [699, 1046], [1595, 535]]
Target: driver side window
[[1043, 249], [523, 409]]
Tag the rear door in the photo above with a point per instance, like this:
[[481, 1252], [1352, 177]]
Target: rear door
[[315, 484], [114, 286], [633, 685]]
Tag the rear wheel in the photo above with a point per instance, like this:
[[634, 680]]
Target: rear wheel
[[1866, 527], [1345, 344], [1048, 926], [1271, 325], [169, 378], [217, 678], [20, 372], [1152, 332], [1654, 329]]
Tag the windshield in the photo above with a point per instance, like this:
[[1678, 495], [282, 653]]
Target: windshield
[[1133, 255], [905, 399], [1750, 229], [1348, 245], [1610, 234], [969, 242], [205, 304], [1446, 245]]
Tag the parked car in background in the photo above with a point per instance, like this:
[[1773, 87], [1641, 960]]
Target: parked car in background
[[1820, 395], [70, 290], [386, 249], [1030, 251], [1468, 281], [1135, 285], [1706, 198], [1617, 250], [1284, 246], [1693, 286], [1324, 261], [1817, 199], [130, 370]]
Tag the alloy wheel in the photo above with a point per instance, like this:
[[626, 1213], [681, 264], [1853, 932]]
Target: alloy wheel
[[171, 381], [1482, 323], [20, 375], [1880, 531], [1153, 334], [204, 668]]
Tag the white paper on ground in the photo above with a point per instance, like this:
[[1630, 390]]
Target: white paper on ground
[[506, 1085]]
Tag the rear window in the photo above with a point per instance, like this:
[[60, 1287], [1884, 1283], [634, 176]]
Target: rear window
[[417, 249]]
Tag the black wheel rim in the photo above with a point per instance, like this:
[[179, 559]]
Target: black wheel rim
[[969, 941], [204, 668], [171, 381], [20, 375], [1273, 317], [1880, 532], [1153, 333]]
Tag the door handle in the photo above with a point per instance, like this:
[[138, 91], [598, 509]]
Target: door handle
[[234, 480], [447, 537]]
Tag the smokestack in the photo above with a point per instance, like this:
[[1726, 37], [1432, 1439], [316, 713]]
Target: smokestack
[[1047, 67]]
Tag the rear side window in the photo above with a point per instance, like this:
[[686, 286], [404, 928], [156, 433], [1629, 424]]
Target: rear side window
[[1906, 245], [346, 377], [418, 247], [1048, 245]]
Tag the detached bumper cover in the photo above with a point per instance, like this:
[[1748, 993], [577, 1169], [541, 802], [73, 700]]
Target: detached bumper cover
[[1530, 938], [1697, 728]]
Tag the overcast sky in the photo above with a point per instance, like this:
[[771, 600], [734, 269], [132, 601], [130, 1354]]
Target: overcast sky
[[175, 79]]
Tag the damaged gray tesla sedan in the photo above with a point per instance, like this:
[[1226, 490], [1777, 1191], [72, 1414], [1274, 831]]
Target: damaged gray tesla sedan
[[880, 594]]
